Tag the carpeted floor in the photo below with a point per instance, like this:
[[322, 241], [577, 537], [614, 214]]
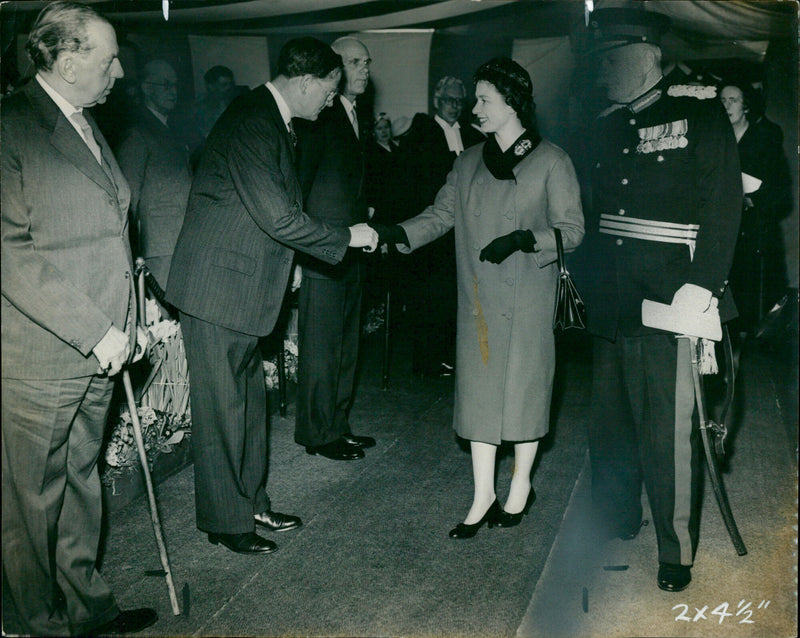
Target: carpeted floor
[[373, 557]]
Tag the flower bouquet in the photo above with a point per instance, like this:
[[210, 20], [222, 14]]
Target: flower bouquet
[[290, 362], [163, 410]]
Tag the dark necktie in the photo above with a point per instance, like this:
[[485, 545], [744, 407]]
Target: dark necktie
[[292, 134]]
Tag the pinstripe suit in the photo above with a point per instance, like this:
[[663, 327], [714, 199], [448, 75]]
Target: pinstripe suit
[[229, 274], [66, 279]]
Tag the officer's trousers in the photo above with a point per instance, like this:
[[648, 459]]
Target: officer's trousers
[[643, 428]]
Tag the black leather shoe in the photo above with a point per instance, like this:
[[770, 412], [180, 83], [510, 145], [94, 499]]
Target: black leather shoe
[[673, 577], [128, 622], [629, 533], [462, 530], [277, 522], [359, 441], [338, 450], [248, 543], [504, 519]]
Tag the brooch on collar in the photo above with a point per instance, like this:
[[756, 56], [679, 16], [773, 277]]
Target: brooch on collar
[[692, 90], [522, 147]]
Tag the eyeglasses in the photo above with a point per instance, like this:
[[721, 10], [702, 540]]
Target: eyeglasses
[[452, 101], [164, 86]]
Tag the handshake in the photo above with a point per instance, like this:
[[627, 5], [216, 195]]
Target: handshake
[[391, 235]]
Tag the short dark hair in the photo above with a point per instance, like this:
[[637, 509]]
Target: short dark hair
[[217, 72], [513, 82], [307, 55], [60, 26]]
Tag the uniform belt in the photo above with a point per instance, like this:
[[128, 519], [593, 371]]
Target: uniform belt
[[650, 230]]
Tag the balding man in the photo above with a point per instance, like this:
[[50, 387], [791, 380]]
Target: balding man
[[68, 310], [330, 165], [155, 161]]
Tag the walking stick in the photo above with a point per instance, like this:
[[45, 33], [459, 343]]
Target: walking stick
[[707, 430], [141, 270], [137, 435]]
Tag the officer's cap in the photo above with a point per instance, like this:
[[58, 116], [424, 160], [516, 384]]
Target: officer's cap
[[617, 27]]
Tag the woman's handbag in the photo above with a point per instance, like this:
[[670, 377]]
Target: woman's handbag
[[569, 311]]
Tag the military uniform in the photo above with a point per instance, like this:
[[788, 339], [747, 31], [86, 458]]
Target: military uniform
[[666, 201]]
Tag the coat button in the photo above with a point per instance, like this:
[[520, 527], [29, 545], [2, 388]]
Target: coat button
[[632, 121], [597, 165], [476, 246], [621, 211], [624, 181], [625, 151], [475, 312], [619, 242], [477, 213], [480, 180], [660, 158], [510, 281]]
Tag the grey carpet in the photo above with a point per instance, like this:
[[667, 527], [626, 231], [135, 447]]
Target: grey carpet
[[373, 558]]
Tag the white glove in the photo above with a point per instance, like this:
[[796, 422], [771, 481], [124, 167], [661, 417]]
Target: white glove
[[693, 298]]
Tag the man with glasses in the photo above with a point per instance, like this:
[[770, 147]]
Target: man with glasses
[[155, 161], [229, 274], [432, 145]]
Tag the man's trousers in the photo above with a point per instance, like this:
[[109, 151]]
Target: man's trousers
[[642, 428], [229, 426], [52, 502], [329, 323]]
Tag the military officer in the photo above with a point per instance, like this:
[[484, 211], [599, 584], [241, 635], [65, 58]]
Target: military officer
[[666, 199]]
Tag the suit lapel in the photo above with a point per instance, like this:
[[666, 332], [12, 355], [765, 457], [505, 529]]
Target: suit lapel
[[67, 140]]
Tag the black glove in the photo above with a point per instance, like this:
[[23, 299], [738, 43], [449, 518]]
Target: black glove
[[503, 247], [391, 235]]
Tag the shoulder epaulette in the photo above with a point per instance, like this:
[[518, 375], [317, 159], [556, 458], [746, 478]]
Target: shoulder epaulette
[[692, 90]]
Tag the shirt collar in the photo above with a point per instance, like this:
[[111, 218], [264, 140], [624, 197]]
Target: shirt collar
[[283, 107], [446, 125], [348, 105], [161, 118], [61, 102]]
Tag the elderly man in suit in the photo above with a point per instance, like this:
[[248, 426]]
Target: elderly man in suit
[[432, 145], [330, 165], [155, 161], [229, 274], [68, 311]]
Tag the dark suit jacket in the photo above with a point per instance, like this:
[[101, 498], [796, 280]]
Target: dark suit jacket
[[234, 255], [156, 162], [330, 166], [430, 158], [66, 262]]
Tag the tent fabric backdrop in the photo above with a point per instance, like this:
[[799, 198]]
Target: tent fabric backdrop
[[247, 57], [549, 62]]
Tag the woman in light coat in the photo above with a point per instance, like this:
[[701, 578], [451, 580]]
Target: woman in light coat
[[504, 197]]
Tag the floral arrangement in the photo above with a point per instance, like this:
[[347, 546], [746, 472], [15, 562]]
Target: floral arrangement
[[164, 413], [374, 319], [290, 360]]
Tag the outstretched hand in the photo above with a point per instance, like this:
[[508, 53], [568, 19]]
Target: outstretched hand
[[362, 236], [501, 248], [391, 235]]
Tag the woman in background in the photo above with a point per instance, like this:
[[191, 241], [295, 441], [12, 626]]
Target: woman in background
[[504, 197], [758, 273]]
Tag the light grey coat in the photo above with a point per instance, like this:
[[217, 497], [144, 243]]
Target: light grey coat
[[505, 356]]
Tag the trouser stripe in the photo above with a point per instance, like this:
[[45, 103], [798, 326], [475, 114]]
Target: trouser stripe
[[684, 409]]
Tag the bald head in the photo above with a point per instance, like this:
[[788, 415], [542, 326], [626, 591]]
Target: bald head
[[159, 86], [356, 60]]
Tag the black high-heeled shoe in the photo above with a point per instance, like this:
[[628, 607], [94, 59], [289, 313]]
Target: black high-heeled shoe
[[462, 530], [504, 519]]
